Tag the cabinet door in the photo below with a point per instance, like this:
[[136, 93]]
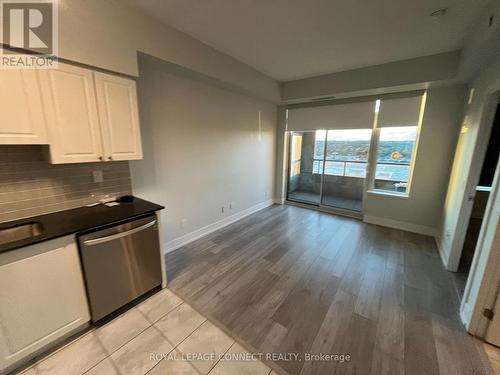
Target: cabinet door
[[74, 130], [23, 120], [42, 298], [118, 114]]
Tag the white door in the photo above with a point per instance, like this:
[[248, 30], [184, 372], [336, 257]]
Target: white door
[[493, 330], [480, 308], [21, 111], [74, 129], [42, 298], [118, 114]]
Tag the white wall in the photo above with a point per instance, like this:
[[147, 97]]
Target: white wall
[[108, 34], [204, 146], [404, 75], [422, 210]]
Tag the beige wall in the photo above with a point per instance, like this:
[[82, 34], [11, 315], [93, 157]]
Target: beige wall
[[440, 128], [108, 34], [30, 186], [204, 147]]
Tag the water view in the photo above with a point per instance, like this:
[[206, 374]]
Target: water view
[[348, 158]]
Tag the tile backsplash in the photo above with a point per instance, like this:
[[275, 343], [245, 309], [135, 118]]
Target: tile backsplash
[[29, 185]]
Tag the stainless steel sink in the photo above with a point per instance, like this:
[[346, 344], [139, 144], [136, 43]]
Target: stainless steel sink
[[20, 232]]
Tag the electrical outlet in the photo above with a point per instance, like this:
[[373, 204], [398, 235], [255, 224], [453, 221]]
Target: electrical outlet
[[183, 223], [97, 176]]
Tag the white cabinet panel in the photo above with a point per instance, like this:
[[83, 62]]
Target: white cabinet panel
[[84, 116], [74, 129], [21, 110], [117, 104], [42, 298]]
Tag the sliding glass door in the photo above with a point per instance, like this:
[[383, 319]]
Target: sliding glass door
[[305, 166], [346, 158], [328, 168]]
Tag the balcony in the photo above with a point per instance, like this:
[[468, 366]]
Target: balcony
[[343, 182]]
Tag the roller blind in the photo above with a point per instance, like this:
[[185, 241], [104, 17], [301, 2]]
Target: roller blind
[[399, 112], [338, 116]]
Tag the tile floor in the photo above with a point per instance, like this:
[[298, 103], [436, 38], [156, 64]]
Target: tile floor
[[163, 325]]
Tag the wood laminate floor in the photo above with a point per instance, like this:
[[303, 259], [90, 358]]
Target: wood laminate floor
[[291, 280]]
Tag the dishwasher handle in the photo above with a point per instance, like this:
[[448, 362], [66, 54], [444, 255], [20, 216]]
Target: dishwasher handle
[[112, 237]]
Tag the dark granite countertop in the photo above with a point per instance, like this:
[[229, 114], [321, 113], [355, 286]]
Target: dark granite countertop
[[80, 220]]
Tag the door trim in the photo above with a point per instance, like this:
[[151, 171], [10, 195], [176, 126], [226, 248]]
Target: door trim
[[452, 259], [484, 279]]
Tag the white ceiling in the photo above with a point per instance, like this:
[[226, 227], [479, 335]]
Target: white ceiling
[[292, 39]]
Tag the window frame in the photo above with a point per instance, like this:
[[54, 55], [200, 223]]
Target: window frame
[[373, 156]]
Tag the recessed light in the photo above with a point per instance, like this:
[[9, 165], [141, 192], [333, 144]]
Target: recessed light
[[439, 12]]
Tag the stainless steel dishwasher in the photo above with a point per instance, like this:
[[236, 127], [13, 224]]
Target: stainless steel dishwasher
[[120, 264]]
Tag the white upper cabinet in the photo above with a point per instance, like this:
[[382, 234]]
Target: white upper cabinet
[[74, 130], [83, 115], [118, 115], [21, 109]]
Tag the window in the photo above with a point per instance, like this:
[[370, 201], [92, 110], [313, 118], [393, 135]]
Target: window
[[394, 158], [346, 152]]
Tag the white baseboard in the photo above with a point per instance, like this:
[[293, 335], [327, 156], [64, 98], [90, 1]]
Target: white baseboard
[[198, 233], [443, 254], [409, 227]]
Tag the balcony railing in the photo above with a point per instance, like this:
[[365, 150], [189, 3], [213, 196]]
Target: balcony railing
[[389, 171]]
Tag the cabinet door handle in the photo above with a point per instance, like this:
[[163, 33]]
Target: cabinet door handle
[[110, 157], [100, 157], [111, 237]]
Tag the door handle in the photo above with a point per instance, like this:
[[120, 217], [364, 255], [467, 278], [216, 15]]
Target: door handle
[[112, 237]]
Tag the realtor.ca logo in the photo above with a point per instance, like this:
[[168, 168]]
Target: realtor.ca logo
[[28, 34]]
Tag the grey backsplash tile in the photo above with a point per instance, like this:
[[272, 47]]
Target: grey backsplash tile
[[29, 185]]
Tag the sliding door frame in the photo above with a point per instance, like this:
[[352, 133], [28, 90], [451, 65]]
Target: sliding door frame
[[320, 206], [372, 151], [288, 156], [322, 179]]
